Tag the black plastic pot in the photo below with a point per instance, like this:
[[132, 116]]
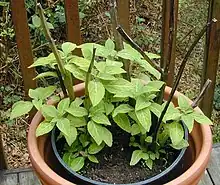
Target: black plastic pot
[[173, 171]]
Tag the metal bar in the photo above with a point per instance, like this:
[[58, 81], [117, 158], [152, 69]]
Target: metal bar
[[124, 14], [168, 40], [211, 56], [22, 33], [72, 21]]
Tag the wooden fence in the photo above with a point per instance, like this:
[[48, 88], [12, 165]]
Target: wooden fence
[[168, 41]]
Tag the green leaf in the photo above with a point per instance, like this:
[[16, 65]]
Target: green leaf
[[123, 122], [93, 158], [172, 113], [96, 92], [71, 136], [107, 136], [136, 157], [50, 26], [141, 103], [149, 139], [36, 21], [81, 62], [77, 121], [101, 119], [49, 111], [149, 163], [145, 156], [94, 148], [44, 128], [117, 86], [43, 61], [37, 103], [156, 109], [114, 63], [84, 139], [109, 107], [148, 68], [41, 93], [109, 45], [77, 111], [63, 125], [70, 132], [97, 109], [68, 47], [113, 70], [76, 72], [155, 84], [123, 108], [20, 108], [152, 156], [63, 105], [105, 76], [95, 131], [144, 117], [201, 118], [55, 98], [183, 103], [133, 116], [138, 86], [77, 163], [77, 102], [68, 157], [46, 74], [176, 132], [182, 144], [135, 129], [152, 55], [188, 120]]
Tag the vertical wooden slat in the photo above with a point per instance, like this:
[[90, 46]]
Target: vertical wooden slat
[[124, 14], [3, 164], [211, 56], [168, 40], [72, 21], [20, 22]]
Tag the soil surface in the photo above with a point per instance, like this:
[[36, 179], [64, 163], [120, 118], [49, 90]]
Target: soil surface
[[114, 163]]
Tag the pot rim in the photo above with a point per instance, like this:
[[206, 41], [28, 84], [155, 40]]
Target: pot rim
[[44, 170]]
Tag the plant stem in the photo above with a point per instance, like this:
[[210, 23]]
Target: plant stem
[[66, 75], [88, 78], [61, 81], [118, 38], [202, 93], [135, 46], [176, 83]]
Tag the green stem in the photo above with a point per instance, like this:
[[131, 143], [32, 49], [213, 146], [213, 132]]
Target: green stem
[[88, 79], [118, 39], [68, 82]]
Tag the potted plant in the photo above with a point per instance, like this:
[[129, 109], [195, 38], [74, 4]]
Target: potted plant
[[116, 127]]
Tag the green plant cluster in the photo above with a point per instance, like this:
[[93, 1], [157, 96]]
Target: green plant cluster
[[85, 122]]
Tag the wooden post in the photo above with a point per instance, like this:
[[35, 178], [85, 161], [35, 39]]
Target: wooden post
[[211, 57], [72, 21], [3, 164], [168, 40], [22, 33], [124, 14]]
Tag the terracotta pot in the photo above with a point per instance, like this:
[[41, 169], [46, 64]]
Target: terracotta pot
[[42, 157]]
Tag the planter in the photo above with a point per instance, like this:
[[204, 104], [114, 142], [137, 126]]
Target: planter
[[43, 158]]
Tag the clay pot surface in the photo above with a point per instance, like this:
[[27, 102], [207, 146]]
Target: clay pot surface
[[42, 157]]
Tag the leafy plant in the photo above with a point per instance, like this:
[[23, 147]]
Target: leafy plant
[[132, 104]]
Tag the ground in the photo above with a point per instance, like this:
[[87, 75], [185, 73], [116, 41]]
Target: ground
[[146, 31]]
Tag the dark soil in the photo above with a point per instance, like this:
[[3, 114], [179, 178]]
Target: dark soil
[[113, 166]]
